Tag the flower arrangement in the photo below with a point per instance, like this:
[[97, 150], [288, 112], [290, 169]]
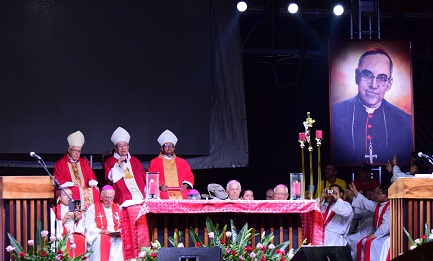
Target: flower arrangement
[[43, 248], [234, 245], [427, 237]]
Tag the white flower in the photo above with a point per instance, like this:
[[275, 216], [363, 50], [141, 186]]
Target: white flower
[[53, 238], [259, 246], [180, 245], [252, 255], [154, 245], [271, 246], [31, 242], [412, 247], [211, 235], [430, 237], [10, 248], [44, 233], [142, 254], [290, 254], [73, 246], [417, 241], [228, 234]]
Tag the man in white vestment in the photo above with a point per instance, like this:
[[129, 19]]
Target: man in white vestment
[[63, 220], [363, 220], [370, 247], [337, 215], [103, 228]]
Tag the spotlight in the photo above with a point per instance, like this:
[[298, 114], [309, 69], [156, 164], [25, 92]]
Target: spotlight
[[338, 9], [242, 6], [293, 8]]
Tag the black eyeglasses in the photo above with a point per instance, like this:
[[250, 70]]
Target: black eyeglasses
[[367, 77]]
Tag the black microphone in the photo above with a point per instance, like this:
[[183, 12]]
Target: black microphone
[[34, 155], [422, 155], [125, 161]]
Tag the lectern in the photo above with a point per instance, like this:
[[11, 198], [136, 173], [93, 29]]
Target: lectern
[[23, 201], [411, 207]]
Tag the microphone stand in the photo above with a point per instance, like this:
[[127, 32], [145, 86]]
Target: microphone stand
[[71, 204]]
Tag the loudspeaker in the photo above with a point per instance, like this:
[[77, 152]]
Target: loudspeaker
[[189, 253], [421, 253], [325, 253]]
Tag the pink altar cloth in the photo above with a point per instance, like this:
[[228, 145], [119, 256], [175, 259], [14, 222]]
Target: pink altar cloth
[[135, 231]]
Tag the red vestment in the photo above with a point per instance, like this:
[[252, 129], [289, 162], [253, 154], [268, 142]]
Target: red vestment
[[184, 173], [122, 191], [63, 174]]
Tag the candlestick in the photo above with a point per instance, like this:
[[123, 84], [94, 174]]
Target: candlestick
[[318, 134]]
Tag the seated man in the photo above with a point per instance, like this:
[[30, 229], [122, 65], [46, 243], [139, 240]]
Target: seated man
[[370, 246], [337, 215], [330, 178], [233, 190], [269, 194], [281, 192], [75, 173], [174, 172], [103, 228], [64, 221]]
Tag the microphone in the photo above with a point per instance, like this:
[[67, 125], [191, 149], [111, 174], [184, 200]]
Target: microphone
[[422, 155], [34, 155], [125, 161]]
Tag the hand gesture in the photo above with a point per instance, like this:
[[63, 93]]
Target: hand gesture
[[352, 187]]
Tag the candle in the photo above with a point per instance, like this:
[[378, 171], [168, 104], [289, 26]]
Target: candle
[[152, 187], [302, 136], [297, 188], [318, 134]]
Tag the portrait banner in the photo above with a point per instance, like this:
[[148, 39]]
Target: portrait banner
[[371, 101]]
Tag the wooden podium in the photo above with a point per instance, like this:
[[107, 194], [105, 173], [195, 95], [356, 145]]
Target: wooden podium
[[411, 208], [23, 201]]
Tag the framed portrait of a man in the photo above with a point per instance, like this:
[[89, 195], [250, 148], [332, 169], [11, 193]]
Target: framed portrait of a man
[[371, 101]]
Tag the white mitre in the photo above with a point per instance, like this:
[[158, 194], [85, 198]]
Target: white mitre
[[167, 136], [120, 134], [76, 139]]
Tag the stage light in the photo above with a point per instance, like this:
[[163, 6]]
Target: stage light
[[242, 6], [338, 9], [293, 8]]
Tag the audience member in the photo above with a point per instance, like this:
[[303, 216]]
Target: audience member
[[233, 190], [75, 173], [269, 194], [247, 194], [364, 181], [281, 192], [63, 221], [371, 245], [175, 175], [337, 215], [330, 178], [123, 170], [103, 228]]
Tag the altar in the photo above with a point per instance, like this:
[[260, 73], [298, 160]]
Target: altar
[[293, 220]]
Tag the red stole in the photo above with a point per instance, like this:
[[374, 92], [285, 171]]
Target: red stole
[[101, 223], [378, 219], [327, 218]]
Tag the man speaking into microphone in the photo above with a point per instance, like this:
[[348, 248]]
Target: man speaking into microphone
[[123, 170]]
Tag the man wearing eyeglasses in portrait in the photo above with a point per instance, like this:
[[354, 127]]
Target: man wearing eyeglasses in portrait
[[75, 173], [367, 128], [175, 176]]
